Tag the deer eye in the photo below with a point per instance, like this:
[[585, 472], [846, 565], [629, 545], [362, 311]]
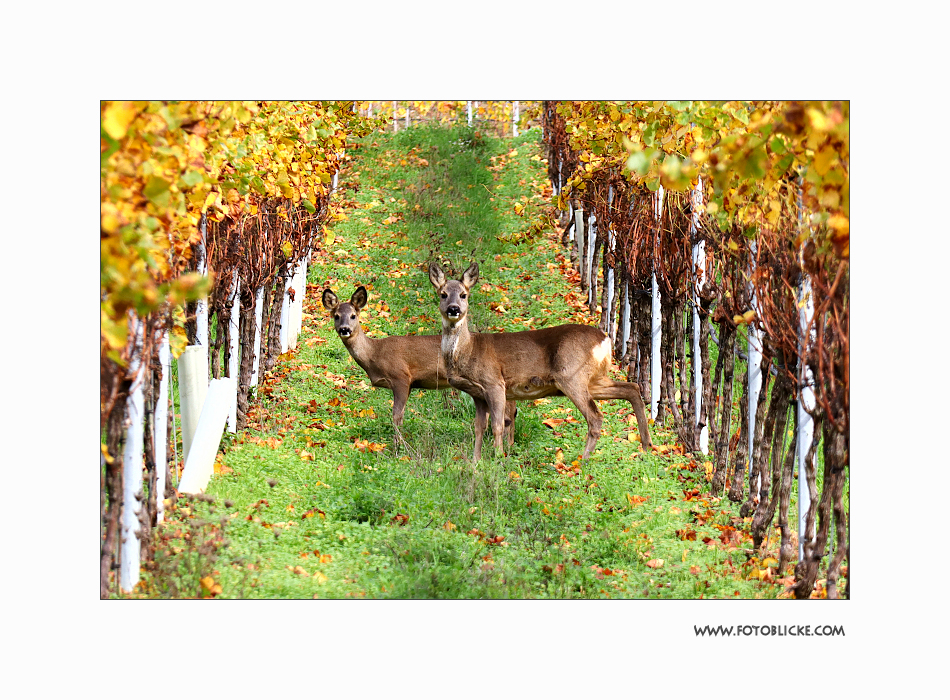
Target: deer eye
[[352, 316], [462, 295], [336, 317], [444, 295]]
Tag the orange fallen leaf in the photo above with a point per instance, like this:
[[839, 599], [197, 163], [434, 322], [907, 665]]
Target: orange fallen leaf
[[367, 446], [636, 499], [209, 586]]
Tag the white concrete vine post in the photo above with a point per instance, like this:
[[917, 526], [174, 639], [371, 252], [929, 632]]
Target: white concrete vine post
[[656, 325], [201, 306], [590, 275], [259, 315], [285, 316], [609, 278], [581, 246], [234, 364], [132, 463], [755, 370], [699, 267], [160, 436], [806, 403]]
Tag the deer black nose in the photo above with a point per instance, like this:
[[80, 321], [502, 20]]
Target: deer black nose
[[344, 331], [453, 311]]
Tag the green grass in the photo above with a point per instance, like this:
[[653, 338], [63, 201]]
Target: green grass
[[315, 499]]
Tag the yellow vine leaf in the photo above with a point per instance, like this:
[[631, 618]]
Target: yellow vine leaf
[[117, 118]]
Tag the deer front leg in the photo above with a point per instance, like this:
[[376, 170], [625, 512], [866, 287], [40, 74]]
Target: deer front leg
[[496, 406], [481, 422], [400, 396], [511, 410]]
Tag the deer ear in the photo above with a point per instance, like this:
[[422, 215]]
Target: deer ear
[[470, 276], [329, 299], [359, 298], [436, 276]]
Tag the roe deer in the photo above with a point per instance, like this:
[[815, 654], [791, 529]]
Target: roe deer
[[569, 360], [398, 363]]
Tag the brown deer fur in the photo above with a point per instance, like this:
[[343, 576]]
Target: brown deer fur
[[570, 360], [398, 363]]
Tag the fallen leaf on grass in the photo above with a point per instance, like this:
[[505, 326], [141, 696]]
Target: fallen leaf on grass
[[272, 443], [686, 534], [636, 500], [209, 587], [367, 446], [655, 563], [554, 422]]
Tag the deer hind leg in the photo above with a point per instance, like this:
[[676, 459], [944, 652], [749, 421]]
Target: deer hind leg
[[629, 392], [511, 410], [585, 403]]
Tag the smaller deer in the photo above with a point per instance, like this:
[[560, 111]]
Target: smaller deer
[[398, 363], [570, 360]]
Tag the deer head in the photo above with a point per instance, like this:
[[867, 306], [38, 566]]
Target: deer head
[[346, 315], [453, 294]]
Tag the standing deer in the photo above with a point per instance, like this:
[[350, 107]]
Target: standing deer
[[569, 360], [398, 363]]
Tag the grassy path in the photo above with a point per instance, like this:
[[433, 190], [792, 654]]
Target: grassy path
[[315, 501]]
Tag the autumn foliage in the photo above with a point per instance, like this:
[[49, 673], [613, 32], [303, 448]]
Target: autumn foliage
[[193, 197], [764, 187]]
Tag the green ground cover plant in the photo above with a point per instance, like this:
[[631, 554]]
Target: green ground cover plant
[[317, 498]]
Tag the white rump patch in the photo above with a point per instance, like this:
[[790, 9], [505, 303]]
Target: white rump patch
[[601, 351]]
